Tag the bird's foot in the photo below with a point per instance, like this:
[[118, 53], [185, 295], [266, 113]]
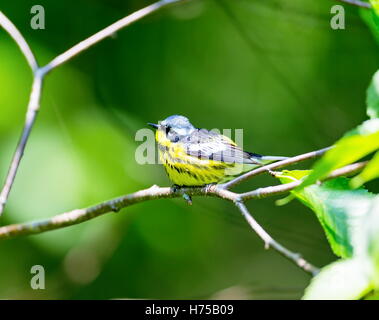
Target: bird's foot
[[208, 187], [187, 198], [176, 188]]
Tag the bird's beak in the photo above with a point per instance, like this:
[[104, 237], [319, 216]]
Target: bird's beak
[[153, 125]]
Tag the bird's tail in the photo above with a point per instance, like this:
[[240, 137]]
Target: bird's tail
[[265, 159], [251, 162], [272, 158]]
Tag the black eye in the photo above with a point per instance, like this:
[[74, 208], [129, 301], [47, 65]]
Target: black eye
[[168, 128]]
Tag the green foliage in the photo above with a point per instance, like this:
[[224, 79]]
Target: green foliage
[[372, 20], [371, 17], [350, 219], [375, 5], [349, 216], [372, 230], [342, 280], [370, 172], [372, 100], [353, 146], [339, 209], [295, 75], [355, 277]]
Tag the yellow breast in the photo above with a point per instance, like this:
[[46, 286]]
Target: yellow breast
[[186, 170]]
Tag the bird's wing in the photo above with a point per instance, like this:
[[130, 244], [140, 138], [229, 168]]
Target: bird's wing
[[210, 145]]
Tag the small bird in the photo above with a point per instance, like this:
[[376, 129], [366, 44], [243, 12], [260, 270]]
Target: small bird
[[197, 157]]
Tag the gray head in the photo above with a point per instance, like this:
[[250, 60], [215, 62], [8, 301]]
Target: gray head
[[175, 127]]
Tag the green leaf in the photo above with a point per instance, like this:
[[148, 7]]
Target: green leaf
[[342, 280], [339, 209], [288, 176], [353, 146], [372, 20], [375, 5], [372, 296], [372, 232], [369, 173], [350, 219], [355, 277], [373, 97]]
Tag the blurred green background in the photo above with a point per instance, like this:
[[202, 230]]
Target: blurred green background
[[273, 68]]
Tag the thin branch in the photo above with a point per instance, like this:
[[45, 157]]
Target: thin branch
[[108, 31], [80, 215], [40, 72], [270, 242], [31, 114], [348, 170], [32, 109], [270, 191], [358, 3], [19, 39], [276, 165], [72, 217], [259, 193]]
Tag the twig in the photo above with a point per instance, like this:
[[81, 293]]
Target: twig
[[118, 203], [259, 193], [31, 114], [276, 165], [347, 170], [270, 242], [270, 191], [32, 109], [40, 72], [108, 31], [19, 39], [80, 215], [357, 3]]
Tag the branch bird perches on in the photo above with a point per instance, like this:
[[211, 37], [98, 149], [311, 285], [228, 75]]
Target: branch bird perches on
[[81, 215], [221, 191], [39, 73]]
